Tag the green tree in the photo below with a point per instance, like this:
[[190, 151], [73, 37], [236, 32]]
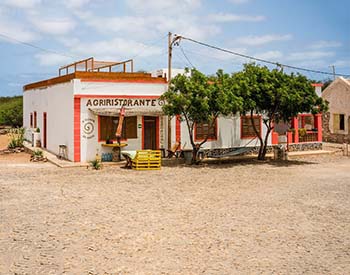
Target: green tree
[[275, 96], [200, 99], [11, 111]]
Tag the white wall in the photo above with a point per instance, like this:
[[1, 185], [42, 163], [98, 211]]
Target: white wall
[[57, 102], [229, 135]]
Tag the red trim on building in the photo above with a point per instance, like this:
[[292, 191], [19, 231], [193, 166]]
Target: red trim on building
[[35, 119], [157, 133], [153, 80], [118, 96], [44, 129], [317, 84], [143, 133], [77, 130], [178, 128], [208, 139], [260, 123]]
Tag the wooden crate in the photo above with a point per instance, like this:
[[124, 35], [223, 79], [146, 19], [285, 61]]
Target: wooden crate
[[147, 160]]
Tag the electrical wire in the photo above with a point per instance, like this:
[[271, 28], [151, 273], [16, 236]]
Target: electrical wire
[[260, 59], [184, 54], [35, 46]]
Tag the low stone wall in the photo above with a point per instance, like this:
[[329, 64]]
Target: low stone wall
[[330, 137], [306, 146]]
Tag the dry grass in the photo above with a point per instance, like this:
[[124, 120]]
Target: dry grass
[[234, 218]]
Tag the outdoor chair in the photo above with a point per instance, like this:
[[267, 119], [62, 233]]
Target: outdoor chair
[[175, 150]]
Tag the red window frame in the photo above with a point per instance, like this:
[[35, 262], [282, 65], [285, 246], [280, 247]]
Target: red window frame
[[209, 139], [35, 119]]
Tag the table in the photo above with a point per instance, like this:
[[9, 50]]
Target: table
[[116, 149]]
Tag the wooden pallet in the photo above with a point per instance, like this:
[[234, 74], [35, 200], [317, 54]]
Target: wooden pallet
[[147, 160]]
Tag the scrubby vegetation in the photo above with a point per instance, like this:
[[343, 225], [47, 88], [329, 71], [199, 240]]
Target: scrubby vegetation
[[11, 111]]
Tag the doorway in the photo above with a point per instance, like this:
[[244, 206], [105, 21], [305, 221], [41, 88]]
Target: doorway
[[44, 130], [150, 133]]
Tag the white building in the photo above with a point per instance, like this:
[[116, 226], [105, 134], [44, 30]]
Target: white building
[[79, 109]]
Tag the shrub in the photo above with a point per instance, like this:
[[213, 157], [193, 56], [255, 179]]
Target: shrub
[[96, 164], [38, 154], [16, 136]]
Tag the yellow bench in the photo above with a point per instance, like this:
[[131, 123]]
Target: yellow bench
[[147, 160]]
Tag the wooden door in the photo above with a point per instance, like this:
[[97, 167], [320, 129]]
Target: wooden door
[[149, 133], [44, 130]]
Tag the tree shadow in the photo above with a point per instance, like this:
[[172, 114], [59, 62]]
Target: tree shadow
[[233, 162]]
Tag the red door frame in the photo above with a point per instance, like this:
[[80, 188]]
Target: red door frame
[[143, 133], [44, 129]]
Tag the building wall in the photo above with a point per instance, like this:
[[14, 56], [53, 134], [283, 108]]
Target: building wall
[[89, 144], [228, 135], [57, 102], [338, 96]]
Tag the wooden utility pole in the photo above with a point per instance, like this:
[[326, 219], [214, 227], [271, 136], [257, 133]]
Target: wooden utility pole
[[171, 42]]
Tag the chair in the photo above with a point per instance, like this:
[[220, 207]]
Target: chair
[[175, 150]]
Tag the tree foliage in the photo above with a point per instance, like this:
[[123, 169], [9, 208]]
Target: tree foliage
[[200, 99], [11, 111], [274, 95]]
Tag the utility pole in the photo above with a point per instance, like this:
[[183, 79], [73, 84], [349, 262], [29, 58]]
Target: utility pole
[[171, 41], [333, 67]]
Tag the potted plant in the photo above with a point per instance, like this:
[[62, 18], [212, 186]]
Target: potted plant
[[108, 140]]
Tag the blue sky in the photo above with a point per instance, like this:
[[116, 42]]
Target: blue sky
[[312, 33]]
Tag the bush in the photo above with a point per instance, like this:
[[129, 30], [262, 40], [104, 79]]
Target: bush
[[11, 111], [16, 136], [38, 154], [96, 164]]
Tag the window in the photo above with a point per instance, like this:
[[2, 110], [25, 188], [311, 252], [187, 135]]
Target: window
[[247, 129], [203, 130], [108, 126], [338, 122], [35, 120], [306, 121], [31, 120]]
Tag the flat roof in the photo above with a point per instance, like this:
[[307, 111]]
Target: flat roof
[[98, 77]]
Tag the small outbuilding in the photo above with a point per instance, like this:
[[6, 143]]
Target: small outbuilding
[[336, 122]]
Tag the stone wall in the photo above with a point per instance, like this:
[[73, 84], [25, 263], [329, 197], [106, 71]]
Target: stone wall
[[307, 146], [330, 137]]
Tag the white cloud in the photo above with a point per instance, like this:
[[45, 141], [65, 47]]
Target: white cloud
[[342, 63], [23, 4], [52, 59], [309, 55], [326, 44], [55, 26], [16, 31], [116, 49], [149, 27], [270, 55], [73, 4], [252, 40], [229, 17], [168, 6]]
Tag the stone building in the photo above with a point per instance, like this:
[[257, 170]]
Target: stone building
[[336, 122]]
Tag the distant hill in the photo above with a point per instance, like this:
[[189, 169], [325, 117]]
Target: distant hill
[[11, 111]]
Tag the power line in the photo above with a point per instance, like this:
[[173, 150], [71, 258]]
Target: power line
[[260, 59], [183, 52], [35, 46]]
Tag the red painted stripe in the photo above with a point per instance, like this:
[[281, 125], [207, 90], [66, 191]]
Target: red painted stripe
[[178, 129], [117, 96], [77, 156]]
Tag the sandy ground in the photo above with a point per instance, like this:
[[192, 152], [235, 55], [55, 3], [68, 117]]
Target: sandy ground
[[4, 140], [234, 218]]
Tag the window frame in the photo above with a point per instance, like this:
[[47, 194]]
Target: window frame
[[215, 126], [114, 139], [248, 117], [31, 120]]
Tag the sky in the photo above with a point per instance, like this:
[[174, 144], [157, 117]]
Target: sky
[[306, 33]]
